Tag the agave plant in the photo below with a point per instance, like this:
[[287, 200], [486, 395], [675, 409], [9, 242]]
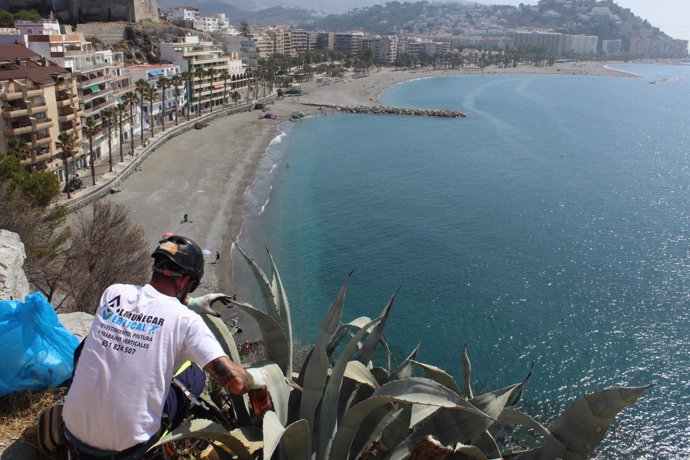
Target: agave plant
[[341, 406]]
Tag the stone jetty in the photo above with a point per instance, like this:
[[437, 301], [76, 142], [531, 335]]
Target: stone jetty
[[384, 110]]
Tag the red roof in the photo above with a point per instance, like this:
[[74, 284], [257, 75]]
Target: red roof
[[12, 51]]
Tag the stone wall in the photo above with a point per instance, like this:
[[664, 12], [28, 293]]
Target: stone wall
[[71, 11], [13, 281]]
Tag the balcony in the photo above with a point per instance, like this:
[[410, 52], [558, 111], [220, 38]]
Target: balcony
[[93, 81], [40, 107], [44, 123], [16, 131], [34, 92], [44, 139], [15, 112], [11, 95], [66, 117]]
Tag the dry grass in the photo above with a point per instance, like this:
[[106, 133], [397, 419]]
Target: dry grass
[[19, 413]]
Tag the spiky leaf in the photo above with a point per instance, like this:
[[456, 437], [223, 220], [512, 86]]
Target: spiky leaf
[[276, 344], [316, 369], [206, 429], [581, 427], [414, 390]]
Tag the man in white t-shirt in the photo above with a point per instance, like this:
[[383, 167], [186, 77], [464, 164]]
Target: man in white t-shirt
[[121, 392]]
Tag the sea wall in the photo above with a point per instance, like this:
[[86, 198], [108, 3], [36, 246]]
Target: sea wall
[[384, 110]]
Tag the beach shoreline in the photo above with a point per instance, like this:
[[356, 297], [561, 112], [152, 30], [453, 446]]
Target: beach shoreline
[[206, 173]]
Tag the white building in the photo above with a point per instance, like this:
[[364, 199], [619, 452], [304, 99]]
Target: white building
[[216, 74], [211, 23]]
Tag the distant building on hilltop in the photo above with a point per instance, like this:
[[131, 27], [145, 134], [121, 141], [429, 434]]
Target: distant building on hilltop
[[74, 11]]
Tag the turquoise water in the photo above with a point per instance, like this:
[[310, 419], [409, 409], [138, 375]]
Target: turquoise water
[[551, 226]]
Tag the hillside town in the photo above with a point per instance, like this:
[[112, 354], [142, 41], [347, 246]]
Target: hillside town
[[69, 99]]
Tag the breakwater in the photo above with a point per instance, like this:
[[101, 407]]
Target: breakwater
[[384, 110]]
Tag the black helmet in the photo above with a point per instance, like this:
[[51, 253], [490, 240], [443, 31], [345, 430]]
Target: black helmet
[[184, 253]]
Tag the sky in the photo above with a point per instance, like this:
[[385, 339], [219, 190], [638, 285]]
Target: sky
[[671, 16]]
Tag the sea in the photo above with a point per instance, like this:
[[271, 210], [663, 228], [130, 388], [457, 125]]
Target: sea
[[549, 228]]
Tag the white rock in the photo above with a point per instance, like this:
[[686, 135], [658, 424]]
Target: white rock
[[78, 322], [13, 281]]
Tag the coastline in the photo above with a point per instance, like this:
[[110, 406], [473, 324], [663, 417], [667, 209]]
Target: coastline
[[206, 173]]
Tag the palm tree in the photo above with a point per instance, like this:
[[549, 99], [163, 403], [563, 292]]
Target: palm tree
[[20, 149], [67, 143], [176, 81], [130, 99], [141, 85], [188, 77], [211, 73], [121, 109], [91, 129], [109, 117], [163, 84], [225, 75], [150, 95], [200, 74]]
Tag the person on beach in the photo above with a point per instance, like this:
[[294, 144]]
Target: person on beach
[[121, 398], [185, 218], [217, 257]]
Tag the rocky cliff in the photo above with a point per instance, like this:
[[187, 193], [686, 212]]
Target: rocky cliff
[[13, 281]]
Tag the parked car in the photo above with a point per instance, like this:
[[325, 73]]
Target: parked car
[[259, 106], [73, 184]]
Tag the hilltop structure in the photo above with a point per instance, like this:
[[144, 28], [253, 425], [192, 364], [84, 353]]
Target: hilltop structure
[[73, 11]]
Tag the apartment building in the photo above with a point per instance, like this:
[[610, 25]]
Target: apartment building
[[580, 44], [101, 80], [213, 70], [350, 42], [325, 40], [384, 50], [38, 101], [214, 23], [282, 41], [303, 40], [171, 101], [551, 42]]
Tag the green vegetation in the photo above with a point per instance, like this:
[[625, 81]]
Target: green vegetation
[[40, 187], [7, 18], [341, 405]]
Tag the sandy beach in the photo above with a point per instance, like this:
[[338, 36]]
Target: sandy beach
[[205, 173]]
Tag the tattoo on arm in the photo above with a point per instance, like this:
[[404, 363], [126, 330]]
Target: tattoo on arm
[[235, 379]]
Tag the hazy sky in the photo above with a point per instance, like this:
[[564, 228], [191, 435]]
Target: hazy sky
[[671, 16]]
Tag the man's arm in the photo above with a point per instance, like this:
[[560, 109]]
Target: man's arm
[[233, 377]]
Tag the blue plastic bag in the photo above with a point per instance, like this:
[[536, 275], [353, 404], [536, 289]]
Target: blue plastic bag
[[37, 350]]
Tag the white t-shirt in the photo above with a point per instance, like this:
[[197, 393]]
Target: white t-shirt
[[138, 339]]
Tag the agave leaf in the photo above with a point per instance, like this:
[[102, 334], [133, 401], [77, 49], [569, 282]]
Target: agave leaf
[[283, 308], [367, 351], [452, 426], [206, 429], [359, 373], [490, 444], [582, 426], [398, 429], [414, 390], [515, 417], [387, 421], [331, 396], [275, 342], [467, 373], [380, 374], [223, 336], [296, 441], [421, 413], [273, 431], [405, 369], [264, 284], [438, 375], [518, 394], [316, 369], [468, 451], [279, 391]]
